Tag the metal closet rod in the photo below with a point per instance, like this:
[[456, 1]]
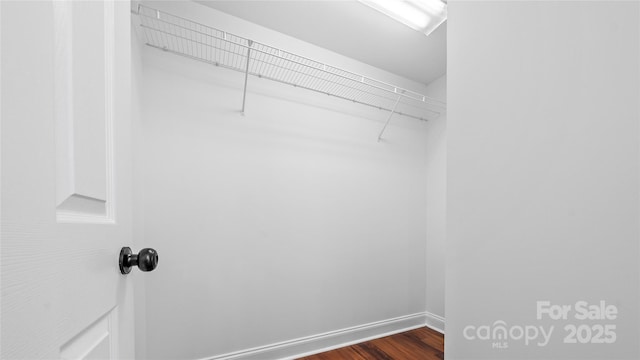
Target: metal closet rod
[[187, 38]]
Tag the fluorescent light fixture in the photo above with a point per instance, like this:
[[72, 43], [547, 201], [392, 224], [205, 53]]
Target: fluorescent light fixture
[[421, 15]]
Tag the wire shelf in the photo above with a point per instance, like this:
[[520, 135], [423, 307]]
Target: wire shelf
[[204, 43]]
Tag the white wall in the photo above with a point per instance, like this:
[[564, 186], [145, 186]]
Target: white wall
[[543, 171], [436, 209], [291, 221]]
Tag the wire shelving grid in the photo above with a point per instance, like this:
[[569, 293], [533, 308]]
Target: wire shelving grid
[[207, 44]]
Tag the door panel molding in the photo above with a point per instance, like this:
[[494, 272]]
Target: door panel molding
[[98, 341], [83, 85]]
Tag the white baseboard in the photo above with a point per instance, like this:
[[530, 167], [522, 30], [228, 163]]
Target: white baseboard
[[314, 344], [435, 322]]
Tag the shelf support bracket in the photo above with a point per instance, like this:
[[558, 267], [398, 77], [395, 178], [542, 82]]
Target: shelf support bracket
[[246, 76], [393, 110]]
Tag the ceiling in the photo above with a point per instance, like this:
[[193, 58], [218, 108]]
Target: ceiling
[[352, 29]]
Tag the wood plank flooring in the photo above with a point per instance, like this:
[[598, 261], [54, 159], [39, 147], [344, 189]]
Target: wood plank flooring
[[419, 344]]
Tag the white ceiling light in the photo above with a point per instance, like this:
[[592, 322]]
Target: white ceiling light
[[422, 15]]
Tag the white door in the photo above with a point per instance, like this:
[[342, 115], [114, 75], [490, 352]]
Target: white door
[[66, 186]]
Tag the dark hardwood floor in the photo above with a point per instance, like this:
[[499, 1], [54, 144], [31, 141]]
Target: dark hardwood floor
[[419, 344]]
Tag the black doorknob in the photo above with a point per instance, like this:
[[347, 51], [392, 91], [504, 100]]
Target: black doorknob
[[146, 259]]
